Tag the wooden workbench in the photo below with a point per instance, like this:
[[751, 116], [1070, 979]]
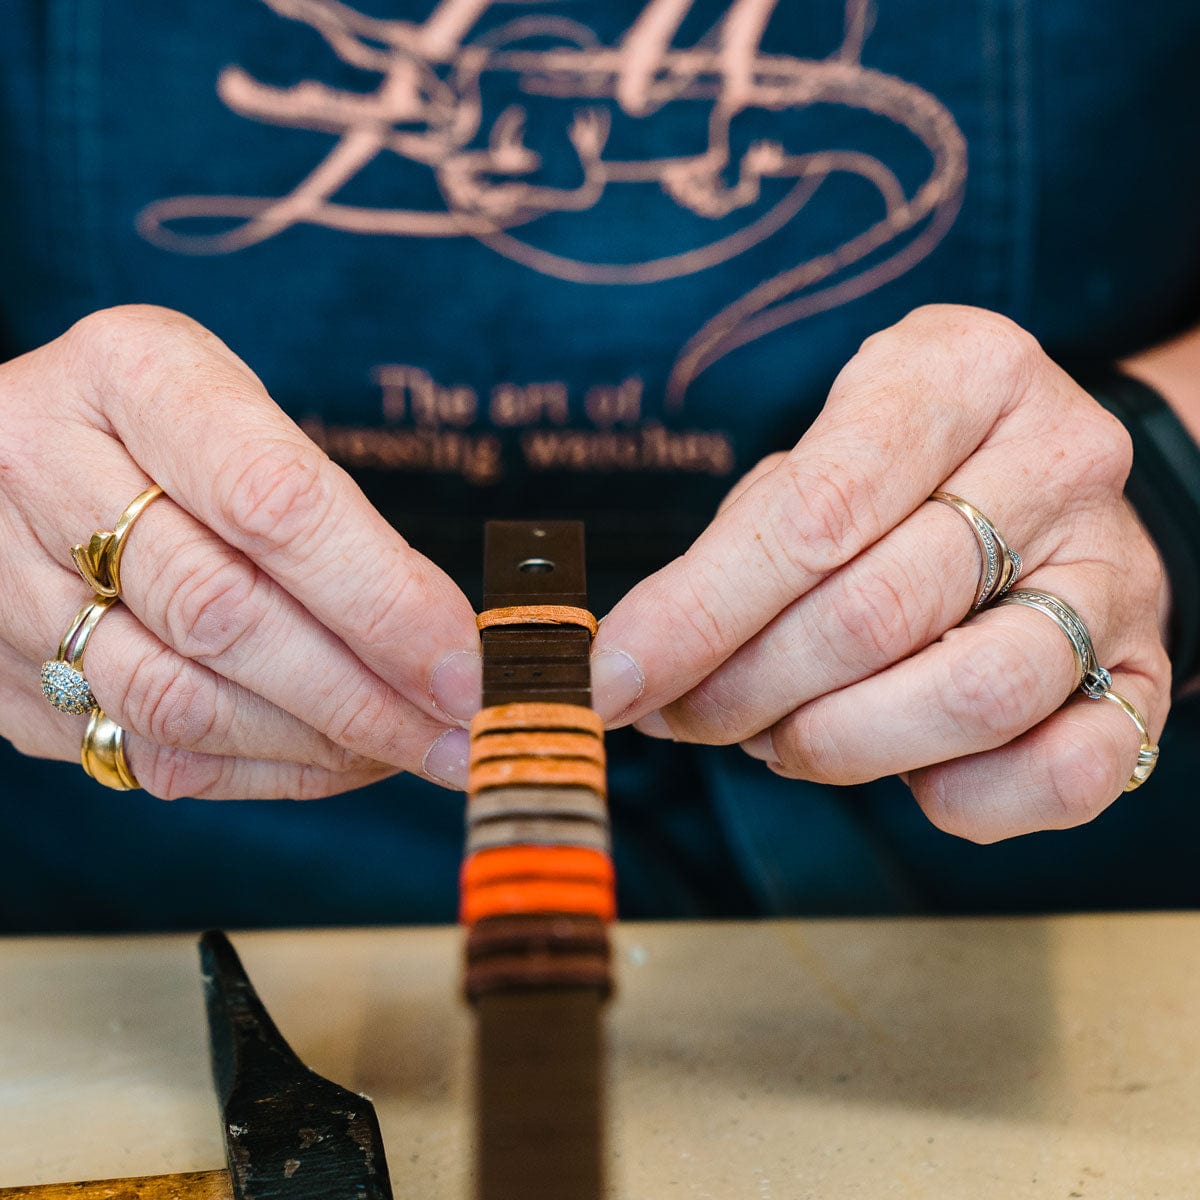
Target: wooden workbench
[[971, 1059]]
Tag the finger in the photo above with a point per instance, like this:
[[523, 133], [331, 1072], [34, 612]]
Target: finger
[[894, 599], [1060, 774], [895, 426], [901, 594], [252, 476], [171, 773], [148, 689], [211, 605], [985, 683]]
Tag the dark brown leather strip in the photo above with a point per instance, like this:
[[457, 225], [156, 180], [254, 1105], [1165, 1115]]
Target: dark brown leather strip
[[538, 982]]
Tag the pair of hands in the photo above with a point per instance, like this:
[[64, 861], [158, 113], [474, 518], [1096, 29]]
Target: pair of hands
[[277, 638]]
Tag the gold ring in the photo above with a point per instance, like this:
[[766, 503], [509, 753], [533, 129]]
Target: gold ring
[[99, 562], [103, 753], [1001, 565], [63, 682], [1147, 758]]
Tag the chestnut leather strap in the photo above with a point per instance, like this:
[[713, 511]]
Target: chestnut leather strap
[[537, 969]]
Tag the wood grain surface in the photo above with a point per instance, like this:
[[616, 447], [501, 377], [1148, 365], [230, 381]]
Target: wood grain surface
[[1018, 1059]]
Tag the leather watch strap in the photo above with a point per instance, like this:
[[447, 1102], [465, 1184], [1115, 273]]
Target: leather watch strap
[[537, 979]]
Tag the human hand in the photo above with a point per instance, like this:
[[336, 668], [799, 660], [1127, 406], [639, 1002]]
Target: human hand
[[817, 621], [276, 637]]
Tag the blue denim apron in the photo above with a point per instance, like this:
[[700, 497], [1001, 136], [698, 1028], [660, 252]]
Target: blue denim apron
[[589, 258]]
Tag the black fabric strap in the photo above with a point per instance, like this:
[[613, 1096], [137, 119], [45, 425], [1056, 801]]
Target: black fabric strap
[[1164, 488]]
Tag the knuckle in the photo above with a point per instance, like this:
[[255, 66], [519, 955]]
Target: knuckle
[[1101, 449], [212, 607], [817, 526], [870, 622], [1084, 776], [690, 610], [709, 714], [993, 690], [809, 748], [163, 703], [386, 616], [944, 809], [170, 773], [109, 334], [278, 498], [311, 782], [359, 724]]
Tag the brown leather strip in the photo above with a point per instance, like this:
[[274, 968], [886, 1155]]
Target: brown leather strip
[[537, 744], [563, 931], [537, 614], [534, 801], [569, 772], [539, 831], [510, 718], [520, 972]]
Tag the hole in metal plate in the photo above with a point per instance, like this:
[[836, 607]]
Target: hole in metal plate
[[536, 566]]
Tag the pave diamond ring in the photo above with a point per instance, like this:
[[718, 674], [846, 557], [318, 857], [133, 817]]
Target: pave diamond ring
[[63, 682], [1000, 566]]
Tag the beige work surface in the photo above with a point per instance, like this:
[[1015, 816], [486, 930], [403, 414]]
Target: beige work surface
[[779, 1061]]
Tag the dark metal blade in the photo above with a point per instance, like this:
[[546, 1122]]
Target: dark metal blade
[[290, 1134]]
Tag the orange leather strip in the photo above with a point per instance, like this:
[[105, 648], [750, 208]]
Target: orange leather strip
[[537, 745], [537, 614], [571, 772], [507, 863], [509, 718], [537, 896]]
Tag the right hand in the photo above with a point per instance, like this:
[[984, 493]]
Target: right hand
[[275, 636]]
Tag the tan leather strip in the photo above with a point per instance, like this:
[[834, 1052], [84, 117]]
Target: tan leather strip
[[537, 614], [511, 718], [539, 831], [569, 772], [536, 745], [523, 801]]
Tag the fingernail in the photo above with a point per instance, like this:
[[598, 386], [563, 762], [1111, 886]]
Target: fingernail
[[654, 725], [759, 746], [457, 684], [446, 760], [617, 682]]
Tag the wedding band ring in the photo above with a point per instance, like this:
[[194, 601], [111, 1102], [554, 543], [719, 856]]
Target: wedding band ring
[[103, 753], [1000, 566], [1090, 677], [99, 562], [1147, 758], [63, 681]]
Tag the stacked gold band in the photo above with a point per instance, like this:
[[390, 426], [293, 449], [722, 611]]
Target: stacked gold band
[[64, 684], [1000, 565], [103, 753]]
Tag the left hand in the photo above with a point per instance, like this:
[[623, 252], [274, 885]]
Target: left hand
[[819, 620]]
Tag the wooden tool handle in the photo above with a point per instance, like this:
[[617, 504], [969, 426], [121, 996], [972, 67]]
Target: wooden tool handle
[[194, 1185]]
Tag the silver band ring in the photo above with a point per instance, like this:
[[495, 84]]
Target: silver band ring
[[63, 681], [1000, 566], [1090, 677]]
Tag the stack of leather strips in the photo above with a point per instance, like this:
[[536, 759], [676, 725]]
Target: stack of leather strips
[[537, 884]]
